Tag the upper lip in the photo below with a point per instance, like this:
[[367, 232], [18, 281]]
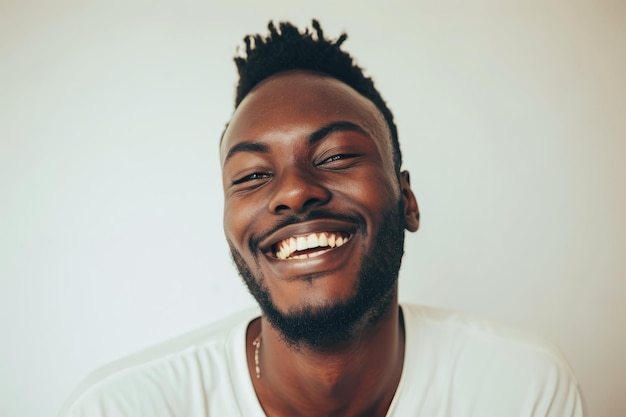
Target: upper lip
[[305, 228]]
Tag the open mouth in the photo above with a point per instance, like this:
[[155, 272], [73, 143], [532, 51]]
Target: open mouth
[[310, 245]]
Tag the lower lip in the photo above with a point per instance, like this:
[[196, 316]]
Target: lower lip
[[318, 264]]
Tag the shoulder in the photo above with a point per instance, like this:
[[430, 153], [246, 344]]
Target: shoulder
[[453, 326], [164, 377], [488, 362]]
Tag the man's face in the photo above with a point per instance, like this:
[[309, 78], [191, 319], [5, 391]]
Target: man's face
[[314, 212]]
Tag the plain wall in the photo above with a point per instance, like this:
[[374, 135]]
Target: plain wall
[[512, 120]]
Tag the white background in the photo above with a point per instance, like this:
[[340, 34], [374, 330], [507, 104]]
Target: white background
[[512, 120]]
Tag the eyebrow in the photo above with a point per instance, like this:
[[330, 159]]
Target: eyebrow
[[341, 126], [319, 134], [246, 147]]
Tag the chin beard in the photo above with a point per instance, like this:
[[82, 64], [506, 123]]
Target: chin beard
[[327, 327]]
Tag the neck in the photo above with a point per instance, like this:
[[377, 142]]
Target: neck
[[358, 378]]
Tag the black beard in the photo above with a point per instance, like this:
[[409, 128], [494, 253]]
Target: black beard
[[328, 327]]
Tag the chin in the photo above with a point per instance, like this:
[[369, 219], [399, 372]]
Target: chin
[[326, 324]]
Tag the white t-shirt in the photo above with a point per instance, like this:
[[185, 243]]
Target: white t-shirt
[[454, 366]]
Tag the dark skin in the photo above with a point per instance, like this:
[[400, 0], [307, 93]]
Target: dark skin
[[302, 141]]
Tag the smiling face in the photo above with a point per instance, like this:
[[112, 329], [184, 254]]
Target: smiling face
[[314, 211]]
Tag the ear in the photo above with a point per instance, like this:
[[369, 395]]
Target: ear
[[411, 210]]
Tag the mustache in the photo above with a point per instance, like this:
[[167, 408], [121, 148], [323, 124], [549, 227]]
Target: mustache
[[356, 219]]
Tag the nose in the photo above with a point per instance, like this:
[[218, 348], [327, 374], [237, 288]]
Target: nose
[[297, 190]]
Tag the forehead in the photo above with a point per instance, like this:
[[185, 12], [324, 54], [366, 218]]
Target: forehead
[[298, 102]]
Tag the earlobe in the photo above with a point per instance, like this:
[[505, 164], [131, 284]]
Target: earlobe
[[411, 209]]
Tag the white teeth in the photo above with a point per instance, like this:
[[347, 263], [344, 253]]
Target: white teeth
[[289, 246]]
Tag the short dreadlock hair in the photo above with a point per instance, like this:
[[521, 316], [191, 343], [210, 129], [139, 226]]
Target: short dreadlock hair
[[286, 48]]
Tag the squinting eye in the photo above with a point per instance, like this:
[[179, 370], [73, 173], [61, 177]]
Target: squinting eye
[[252, 177], [332, 158], [342, 157]]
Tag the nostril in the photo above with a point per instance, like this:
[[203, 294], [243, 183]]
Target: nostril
[[311, 202], [280, 208]]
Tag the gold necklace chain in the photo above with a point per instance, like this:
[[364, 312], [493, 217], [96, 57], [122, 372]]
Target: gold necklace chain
[[257, 346]]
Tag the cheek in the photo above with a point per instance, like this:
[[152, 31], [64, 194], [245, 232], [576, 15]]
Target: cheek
[[235, 223], [240, 218], [375, 192]]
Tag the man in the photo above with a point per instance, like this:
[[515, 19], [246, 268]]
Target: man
[[316, 206]]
